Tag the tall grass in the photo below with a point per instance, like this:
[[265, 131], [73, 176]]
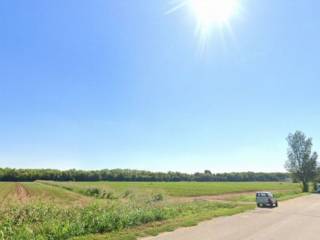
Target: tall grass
[[41, 222]]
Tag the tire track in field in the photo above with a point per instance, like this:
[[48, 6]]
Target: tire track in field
[[22, 193]]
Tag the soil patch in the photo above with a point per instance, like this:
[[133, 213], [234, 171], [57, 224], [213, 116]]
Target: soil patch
[[21, 193]]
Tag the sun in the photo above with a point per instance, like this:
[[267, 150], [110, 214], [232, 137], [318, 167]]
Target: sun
[[210, 12], [211, 16]]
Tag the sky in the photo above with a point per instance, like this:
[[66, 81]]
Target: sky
[[125, 84]]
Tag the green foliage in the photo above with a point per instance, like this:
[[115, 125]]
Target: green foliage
[[157, 197], [302, 163], [98, 193], [279, 195], [176, 189], [49, 222], [187, 219], [9, 174]]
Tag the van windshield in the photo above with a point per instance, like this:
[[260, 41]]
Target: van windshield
[[264, 195]]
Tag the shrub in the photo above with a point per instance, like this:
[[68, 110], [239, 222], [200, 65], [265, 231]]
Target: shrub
[[157, 197]]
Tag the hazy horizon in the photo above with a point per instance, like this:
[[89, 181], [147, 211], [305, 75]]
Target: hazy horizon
[[129, 84]]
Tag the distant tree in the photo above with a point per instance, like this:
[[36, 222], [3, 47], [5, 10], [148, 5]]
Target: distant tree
[[208, 172], [301, 163]]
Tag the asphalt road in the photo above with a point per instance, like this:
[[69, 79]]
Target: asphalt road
[[296, 219]]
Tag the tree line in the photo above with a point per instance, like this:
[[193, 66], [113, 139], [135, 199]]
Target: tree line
[[11, 174]]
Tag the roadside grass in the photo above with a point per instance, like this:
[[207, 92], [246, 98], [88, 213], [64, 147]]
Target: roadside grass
[[291, 196], [51, 222], [189, 217], [280, 196]]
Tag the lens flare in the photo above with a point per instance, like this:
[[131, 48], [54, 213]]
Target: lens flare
[[209, 12], [209, 15]]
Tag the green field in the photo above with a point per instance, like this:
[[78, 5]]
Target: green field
[[120, 210], [184, 189]]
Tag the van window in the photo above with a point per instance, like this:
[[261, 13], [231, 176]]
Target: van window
[[261, 195]]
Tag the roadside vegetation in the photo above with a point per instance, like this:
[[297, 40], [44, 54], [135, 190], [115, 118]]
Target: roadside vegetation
[[117, 210], [280, 196], [50, 222]]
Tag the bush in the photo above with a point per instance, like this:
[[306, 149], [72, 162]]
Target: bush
[[157, 197], [94, 192], [98, 193]]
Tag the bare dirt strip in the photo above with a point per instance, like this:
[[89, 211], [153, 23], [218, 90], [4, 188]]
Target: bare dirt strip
[[221, 197], [21, 193], [227, 197]]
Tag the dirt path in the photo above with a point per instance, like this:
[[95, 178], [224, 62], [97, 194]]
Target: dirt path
[[21, 193], [296, 219], [226, 196]]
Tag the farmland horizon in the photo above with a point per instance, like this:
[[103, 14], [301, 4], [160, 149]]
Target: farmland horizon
[[125, 119]]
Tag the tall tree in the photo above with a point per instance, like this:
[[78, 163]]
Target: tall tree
[[301, 163]]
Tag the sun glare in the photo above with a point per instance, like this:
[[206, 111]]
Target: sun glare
[[210, 14]]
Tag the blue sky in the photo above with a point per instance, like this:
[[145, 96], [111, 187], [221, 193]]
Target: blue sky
[[120, 84]]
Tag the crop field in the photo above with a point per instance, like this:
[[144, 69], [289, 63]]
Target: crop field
[[17, 194], [120, 210], [182, 189]]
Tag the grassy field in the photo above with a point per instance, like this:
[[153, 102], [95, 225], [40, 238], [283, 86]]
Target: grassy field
[[180, 189], [119, 210]]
